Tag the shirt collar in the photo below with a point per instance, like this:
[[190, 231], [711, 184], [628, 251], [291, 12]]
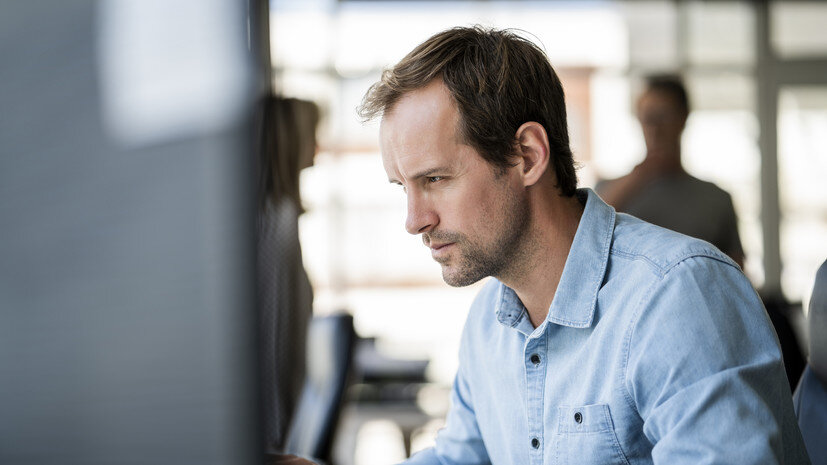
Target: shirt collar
[[576, 297]]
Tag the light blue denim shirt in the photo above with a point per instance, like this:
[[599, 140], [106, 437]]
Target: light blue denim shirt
[[656, 349]]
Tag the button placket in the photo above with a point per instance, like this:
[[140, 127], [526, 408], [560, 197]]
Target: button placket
[[535, 371]]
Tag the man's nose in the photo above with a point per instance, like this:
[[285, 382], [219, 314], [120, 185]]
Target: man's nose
[[421, 217]]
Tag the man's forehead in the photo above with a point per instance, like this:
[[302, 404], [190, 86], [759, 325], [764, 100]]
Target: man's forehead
[[420, 131], [431, 101], [405, 162]]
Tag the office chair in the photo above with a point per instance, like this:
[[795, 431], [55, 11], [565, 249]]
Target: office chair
[[329, 352], [810, 396]]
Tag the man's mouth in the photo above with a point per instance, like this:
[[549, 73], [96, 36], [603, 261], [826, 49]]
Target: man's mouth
[[438, 250]]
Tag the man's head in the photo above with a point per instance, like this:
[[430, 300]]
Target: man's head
[[470, 120], [662, 110], [498, 81], [471, 214]]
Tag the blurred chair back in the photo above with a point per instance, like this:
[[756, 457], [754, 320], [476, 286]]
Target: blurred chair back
[[810, 397], [782, 313], [329, 353]]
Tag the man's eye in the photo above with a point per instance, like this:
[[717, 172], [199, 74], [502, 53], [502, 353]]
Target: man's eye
[[433, 179]]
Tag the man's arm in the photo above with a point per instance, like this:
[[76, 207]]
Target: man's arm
[[705, 371], [618, 192], [732, 240], [460, 441]]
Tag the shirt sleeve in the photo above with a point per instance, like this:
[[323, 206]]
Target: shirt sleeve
[[705, 372], [460, 441]]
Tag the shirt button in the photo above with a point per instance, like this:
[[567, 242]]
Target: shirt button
[[578, 417], [535, 443], [535, 359]]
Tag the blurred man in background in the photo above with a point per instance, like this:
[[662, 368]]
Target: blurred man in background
[[659, 190]]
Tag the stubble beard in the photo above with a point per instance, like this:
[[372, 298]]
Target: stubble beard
[[502, 256]]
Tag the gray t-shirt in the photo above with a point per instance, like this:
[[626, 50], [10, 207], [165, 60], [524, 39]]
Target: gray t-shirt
[[689, 206]]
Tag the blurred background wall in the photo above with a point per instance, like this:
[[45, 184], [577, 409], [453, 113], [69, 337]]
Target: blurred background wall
[[757, 77]]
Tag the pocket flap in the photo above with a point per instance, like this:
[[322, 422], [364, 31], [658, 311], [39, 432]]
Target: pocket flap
[[584, 419]]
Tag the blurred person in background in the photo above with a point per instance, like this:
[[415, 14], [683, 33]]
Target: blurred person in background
[[288, 145], [659, 190], [601, 339]]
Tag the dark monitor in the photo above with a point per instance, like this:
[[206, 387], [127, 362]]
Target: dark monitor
[[127, 312]]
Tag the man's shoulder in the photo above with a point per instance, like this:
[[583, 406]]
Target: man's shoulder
[[659, 248], [604, 183], [708, 191]]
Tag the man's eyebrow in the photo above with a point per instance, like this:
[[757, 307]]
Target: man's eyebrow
[[422, 174]]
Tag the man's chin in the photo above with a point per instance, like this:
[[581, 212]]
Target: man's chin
[[454, 278]]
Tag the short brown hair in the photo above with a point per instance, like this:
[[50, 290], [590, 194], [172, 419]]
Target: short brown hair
[[671, 85], [498, 80]]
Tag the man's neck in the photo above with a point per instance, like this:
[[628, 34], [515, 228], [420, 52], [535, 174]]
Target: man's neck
[[555, 223], [665, 163]]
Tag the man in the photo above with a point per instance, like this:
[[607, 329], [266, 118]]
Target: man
[[653, 188], [601, 339]]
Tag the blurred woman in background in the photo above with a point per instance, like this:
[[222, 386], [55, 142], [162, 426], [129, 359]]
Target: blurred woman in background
[[288, 145]]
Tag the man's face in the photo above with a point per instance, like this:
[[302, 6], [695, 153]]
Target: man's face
[[661, 119], [470, 216]]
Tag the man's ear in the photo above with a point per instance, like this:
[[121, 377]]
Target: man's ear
[[533, 150]]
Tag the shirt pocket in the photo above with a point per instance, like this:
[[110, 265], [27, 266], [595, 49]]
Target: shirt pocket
[[585, 435]]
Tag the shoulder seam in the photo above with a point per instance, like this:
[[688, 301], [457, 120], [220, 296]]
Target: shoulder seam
[[636, 256], [662, 270]]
